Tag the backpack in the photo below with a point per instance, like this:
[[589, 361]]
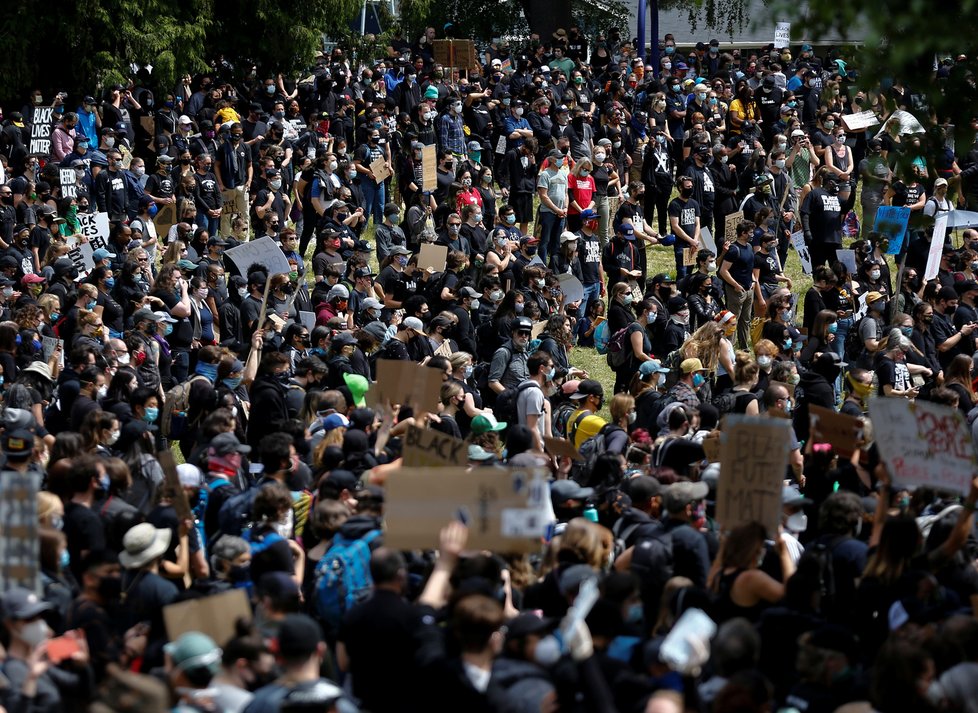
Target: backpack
[[590, 450], [506, 403], [559, 420], [176, 403], [343, 577], [658, 467], [235, 513], [432, 290], [725, 402], [822, 552], [652, 563], [601, 337], [854, 346], [618, 347], [257, 545], [621, 536]]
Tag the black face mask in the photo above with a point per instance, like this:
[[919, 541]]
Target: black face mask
[[531, 250], [686, 192], [110, 588]]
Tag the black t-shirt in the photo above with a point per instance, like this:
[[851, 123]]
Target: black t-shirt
[[84, 531], [825, 216], [768, 268], [741, 259], [686, 212], [589, 253]]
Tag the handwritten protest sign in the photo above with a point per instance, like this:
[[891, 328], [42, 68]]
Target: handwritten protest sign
[[537, 329], [505, 511], [433, 256], [891, 224], [842, 432], [924, 443], [262, 252], [444, 349], [429, 168], [425, 447], [42, 124], [307, 319], [95, 227], [847, 258], [19, 547], [379, 169], [571, 288], [180, 503], [860, 121], [936, 247], [753, 457], [804, 255], [83, 257], [782, 35], [730, 226], [166, 216], [215, 616]]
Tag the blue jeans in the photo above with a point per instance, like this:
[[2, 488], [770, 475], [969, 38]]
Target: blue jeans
[[373, 197], [211, 225], [552, 227], [592, 293], [677, 250], [839, 343]]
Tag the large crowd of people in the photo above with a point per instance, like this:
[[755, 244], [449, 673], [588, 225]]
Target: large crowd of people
[[584, 200]]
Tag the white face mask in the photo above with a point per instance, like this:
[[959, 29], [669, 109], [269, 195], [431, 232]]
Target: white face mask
[[519, 111], [797, 523], [599, 157], [102, 391], [547, 651], [113, 437], [34, 633], [123, 359], [711, 266], [109, 141], [764, 361]]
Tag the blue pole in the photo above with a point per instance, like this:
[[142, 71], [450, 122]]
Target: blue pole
[[653, 57]]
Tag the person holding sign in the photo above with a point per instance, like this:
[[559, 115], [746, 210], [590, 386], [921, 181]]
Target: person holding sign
[[365, 158], [742, 589]]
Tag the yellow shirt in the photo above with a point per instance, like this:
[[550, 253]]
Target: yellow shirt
[[589, 426]]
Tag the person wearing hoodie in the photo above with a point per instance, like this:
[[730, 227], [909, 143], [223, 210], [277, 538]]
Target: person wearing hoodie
[[817, 389], [522, 669], [268, 397]]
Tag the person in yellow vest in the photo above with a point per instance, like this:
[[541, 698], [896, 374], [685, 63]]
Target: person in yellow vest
[[585, 422]]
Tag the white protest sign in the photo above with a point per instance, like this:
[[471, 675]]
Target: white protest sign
[[847, 258], [753, 458], [308, 320], [571, 288], [264, 251], [708, 242], [860, 121], [936, 247], [83, 255], [95, 227], [861, 309], [804, 256], [924, 443], [782, 35]]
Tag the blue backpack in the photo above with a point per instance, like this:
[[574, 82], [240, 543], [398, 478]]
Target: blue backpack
[[343, 577], [601, 338]]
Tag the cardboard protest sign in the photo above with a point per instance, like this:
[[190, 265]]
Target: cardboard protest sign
[[753, 457], [804, 256], [891, 224], [180, 503], [706, 237], [429, 168], [425, 447], [537, 329], [730, 226], [433, 256], [42, 125], [263, 252], [405, 382], [571, 288], [95, 227], [860, 121], [842, 432], [782, 35], [505, 510], [19, 547], [924, 443], [165, 218], [66, 177], [936, 247], [379, 169], [445, 349], [308, 320], [561, 448], [215, 616], [689, 257], [711, 446]]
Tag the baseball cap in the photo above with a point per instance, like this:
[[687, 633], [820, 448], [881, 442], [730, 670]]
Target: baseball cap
[[18, 443], [485, 422], [567, 236], [338, 291], [332, 422], [479, 454], [679, 495], [102, 254], [413, 323], [343, 339], [364, 272], [589, 214], [224, 444], [194, 651], [791, 496], [690, 365], [651, 366], [588, 387], [371, 303], [873, 296], [468, 292], [563, 490], [32, 279], [20, 603], [626, 231], [676, 304]]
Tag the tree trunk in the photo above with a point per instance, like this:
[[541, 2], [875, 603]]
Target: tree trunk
[[546, 16]]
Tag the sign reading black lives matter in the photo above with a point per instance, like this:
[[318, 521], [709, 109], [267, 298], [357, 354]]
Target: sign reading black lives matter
[[42, 123]]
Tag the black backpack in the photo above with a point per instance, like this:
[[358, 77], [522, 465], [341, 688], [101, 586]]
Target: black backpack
[[822, 553], [854, 346], [653, 564], [505, 408]]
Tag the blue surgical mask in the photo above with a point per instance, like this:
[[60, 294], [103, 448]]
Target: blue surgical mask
[[634, 613], [104, 482], [208, 370], [552, 373], [167, 329], [36, 343], [233, 382], [109, 282], [833, 328], [90, 305], [698, 380], [151, 414], [64, 559], [510, 219]]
